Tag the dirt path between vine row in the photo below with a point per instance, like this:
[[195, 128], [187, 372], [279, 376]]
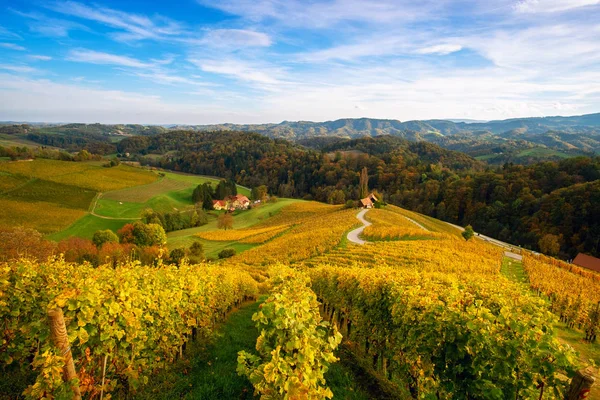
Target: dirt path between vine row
[[353, 235]]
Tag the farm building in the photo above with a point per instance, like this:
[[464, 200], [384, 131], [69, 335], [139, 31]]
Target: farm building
[[369, 201], [219, 204], [589, 262], [237, 202]]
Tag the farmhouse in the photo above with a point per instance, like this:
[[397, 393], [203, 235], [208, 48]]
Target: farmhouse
[[589, 262], [369, 201], [219, 204], [239, 202]]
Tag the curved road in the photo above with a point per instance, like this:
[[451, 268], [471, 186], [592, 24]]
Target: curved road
[[353, 235]]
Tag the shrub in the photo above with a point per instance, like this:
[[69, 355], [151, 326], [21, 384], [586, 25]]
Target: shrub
[[104, 236], [468, 233], [226, 253], [176, 255]]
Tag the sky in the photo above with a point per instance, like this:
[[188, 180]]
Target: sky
[[259, 61]]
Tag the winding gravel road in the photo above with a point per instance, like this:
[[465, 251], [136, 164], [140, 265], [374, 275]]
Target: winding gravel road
[[353, 235]]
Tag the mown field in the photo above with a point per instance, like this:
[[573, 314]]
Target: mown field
[[171, 192], [55, 197], [85, 227]]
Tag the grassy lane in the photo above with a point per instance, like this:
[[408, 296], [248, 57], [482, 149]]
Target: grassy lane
[[513, 270], [209, 371]]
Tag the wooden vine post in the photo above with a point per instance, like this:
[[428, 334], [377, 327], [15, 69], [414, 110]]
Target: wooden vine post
[[58, 330], [581, 385]]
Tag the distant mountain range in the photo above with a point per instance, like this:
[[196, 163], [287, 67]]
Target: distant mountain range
[[519, 140], [358, 127]]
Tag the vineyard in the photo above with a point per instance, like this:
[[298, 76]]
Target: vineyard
[[124, 324], [573, 292], [444, 337], [389, 225], [430, 317]]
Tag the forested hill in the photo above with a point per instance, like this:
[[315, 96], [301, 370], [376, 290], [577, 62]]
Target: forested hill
[[521, 141], [524, 140], [357, 127], [555, 201]]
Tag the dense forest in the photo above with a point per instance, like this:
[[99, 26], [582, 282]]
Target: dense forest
[[515, 203]]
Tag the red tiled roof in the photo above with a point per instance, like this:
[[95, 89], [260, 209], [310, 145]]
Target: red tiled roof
[[589, 262], [222, 203]]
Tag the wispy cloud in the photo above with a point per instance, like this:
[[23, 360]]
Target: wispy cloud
[[40, 57], [48, 26], [18, 68], [326, 13], [440, 49], [97, 57], [5, 33], [12, 46], [541, 6], [27, 99], [163, 78], [240, 70], [130, 27], [235, 38]]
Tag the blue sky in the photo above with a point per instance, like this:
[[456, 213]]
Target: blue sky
[[256, 61]]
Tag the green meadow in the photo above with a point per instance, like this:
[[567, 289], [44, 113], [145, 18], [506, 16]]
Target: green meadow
[[63, 199]]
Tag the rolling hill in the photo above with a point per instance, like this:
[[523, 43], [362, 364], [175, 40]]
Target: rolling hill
[[75, 199], [522, 140]]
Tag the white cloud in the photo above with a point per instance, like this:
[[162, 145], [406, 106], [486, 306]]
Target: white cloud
[[546, 49], [96, 57], [133, 26], [238, 69], [378, 46], [163, 78], [535, 6], [236, 38], [17, 68], [440, 49], [42, 100], [5, 33], [40, 57], [12, 46], [324, 14], [52, 27], [166, 60]]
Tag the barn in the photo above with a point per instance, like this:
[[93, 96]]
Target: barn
[[589, 262]]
